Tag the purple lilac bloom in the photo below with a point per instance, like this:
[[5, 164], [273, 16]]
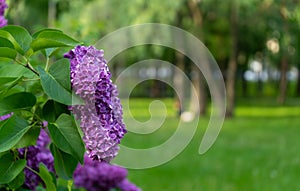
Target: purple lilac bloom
[[4, 117], [35, 155], [3, 6], [101, 116], [125, 185], [95, 175]]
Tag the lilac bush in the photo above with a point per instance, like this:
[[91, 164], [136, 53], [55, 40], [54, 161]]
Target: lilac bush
[[100, 117]]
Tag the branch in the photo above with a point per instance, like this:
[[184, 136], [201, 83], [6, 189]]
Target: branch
[[28, 65]]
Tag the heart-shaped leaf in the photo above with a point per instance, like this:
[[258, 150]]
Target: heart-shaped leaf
[[6, 43], [11, 132], [9, 168], [52, 39], [52, 110], [6, 52], [60, 70], [36, 34], [64, 163], [15, 70], [22, 100], [6, 35], [47, 178], [6, 80], [17, 182], [29, 138], [66, 137], [55, 90], [21, 35]]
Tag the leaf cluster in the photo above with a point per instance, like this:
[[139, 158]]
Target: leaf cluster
[[35, 91]]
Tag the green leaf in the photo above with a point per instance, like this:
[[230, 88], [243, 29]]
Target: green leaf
[[79, 128], [64, 163], [60, 70], [6, 35], [35, 88], [50, 51], [43, 43], [6, 43], [6, 52], [65, 185], [17, 182], [36, 34], [15, 70], [29, 138], [21, 35], [3, 153], [5, 87], [52, 39], [52, 110], [11, 132], [6, 80], [66, 137], [22, 100], [9, 168], [46, 177], [55, 90]]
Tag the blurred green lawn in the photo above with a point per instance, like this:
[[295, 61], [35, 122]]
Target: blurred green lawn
[[259, 150]]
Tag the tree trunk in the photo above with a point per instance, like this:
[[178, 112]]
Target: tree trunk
[[198, 79], [284, 57], [230, 84], [244, 84], [155, 90], [232, 66], [178, 80], [260, 85], [283, 80], [202, 94], [298, 82], [245, 92]]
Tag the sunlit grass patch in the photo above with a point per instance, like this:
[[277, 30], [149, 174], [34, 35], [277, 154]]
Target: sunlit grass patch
[[257, 150]]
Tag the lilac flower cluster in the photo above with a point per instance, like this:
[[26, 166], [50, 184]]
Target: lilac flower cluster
[[101, 116], [4, 117], [35, 155], [125, 185], [95, 175], [3, 6]]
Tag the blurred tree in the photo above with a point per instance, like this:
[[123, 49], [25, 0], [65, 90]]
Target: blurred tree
[[297, 28], [283, 28], [232, 65], [91, 20], [234, 31], [197, 77], [252, 40], [85, 21], [32, 14], [295, 18], [284, 63]]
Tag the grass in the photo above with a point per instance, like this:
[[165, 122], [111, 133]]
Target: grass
[[257, 150]]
